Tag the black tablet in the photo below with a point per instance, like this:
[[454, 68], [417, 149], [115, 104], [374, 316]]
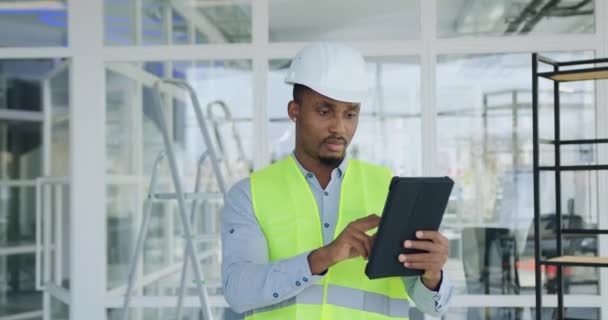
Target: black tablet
[[412, 204]]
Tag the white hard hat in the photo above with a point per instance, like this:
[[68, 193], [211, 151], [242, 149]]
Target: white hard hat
[[333, 70]]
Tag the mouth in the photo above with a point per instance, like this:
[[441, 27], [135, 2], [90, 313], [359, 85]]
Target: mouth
[[335, 145]]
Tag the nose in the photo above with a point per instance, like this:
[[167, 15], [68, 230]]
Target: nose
[[337, 125]]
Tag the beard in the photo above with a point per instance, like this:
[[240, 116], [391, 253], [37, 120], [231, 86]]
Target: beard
[[331, 161], [334, 161]]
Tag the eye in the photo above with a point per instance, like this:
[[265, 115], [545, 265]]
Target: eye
[[351, 115], [323, 112]]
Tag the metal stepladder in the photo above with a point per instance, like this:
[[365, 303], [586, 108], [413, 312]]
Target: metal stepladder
[[191, 255], [221, 145]]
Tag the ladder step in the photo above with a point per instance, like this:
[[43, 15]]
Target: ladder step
[[210, 284], [205, 238], [187, 196]]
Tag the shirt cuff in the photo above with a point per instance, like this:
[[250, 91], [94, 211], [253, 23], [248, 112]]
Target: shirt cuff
[[443, 295], [428, 300], [300, 269]]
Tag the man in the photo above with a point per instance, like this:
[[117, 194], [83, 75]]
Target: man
[[296, 234]]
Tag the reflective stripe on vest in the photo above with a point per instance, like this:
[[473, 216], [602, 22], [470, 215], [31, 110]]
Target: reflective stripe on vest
[[345, 297], [288, 215], [310, 295], [367, 301]]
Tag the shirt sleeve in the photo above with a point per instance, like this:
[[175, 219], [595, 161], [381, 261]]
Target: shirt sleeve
[[433, 303], [250, 281]]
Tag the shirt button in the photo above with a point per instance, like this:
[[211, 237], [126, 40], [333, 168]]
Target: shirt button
[[231, 230], [298, 283], [309, 175], [326, 225], [276, 295], [326, 193], [305, 279]]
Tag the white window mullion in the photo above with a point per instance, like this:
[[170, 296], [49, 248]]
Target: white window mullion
[[369, 49], [428, 62], [259, 33], [514, 44], [47, 111], [87, 161], [35, 53], [601, 89]]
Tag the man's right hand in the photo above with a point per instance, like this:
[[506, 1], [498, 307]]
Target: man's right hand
[[351, 243]]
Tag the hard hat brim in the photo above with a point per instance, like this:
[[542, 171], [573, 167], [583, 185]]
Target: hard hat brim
[[351, 96]]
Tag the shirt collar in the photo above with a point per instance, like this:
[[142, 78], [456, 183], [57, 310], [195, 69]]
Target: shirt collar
[[340, 170]]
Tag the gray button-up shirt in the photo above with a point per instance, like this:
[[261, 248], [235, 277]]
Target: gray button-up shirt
[[251, 281]]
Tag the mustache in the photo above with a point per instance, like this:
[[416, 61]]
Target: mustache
[[335, 139]]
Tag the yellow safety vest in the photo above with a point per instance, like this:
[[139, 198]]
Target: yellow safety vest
[[287, 212]]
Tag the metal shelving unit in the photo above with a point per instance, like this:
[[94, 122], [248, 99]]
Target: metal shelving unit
[[560, 260]]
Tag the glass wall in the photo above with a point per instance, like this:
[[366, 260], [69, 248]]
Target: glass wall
[[134, 142], [485, 144], [158, 22], [33, 23], [478, 18], [28, 90]]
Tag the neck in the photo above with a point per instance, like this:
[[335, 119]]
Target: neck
[[319, 169]]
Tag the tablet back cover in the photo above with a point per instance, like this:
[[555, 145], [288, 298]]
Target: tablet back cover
[[413, 204]]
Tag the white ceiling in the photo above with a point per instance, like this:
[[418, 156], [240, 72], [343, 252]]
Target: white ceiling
[[293, 20]]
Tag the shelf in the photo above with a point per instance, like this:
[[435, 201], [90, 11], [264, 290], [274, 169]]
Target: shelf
[[566, 142], [590, 69], [580, 62], [546, 141], [577, 75], [578, 261], [584, 231], [575, 168]]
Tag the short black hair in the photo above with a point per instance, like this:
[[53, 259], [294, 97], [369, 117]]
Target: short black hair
[[298, 92]]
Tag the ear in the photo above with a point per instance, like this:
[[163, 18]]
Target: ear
[[293, 110]]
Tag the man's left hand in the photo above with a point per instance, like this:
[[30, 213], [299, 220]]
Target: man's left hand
[[432, 261]]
